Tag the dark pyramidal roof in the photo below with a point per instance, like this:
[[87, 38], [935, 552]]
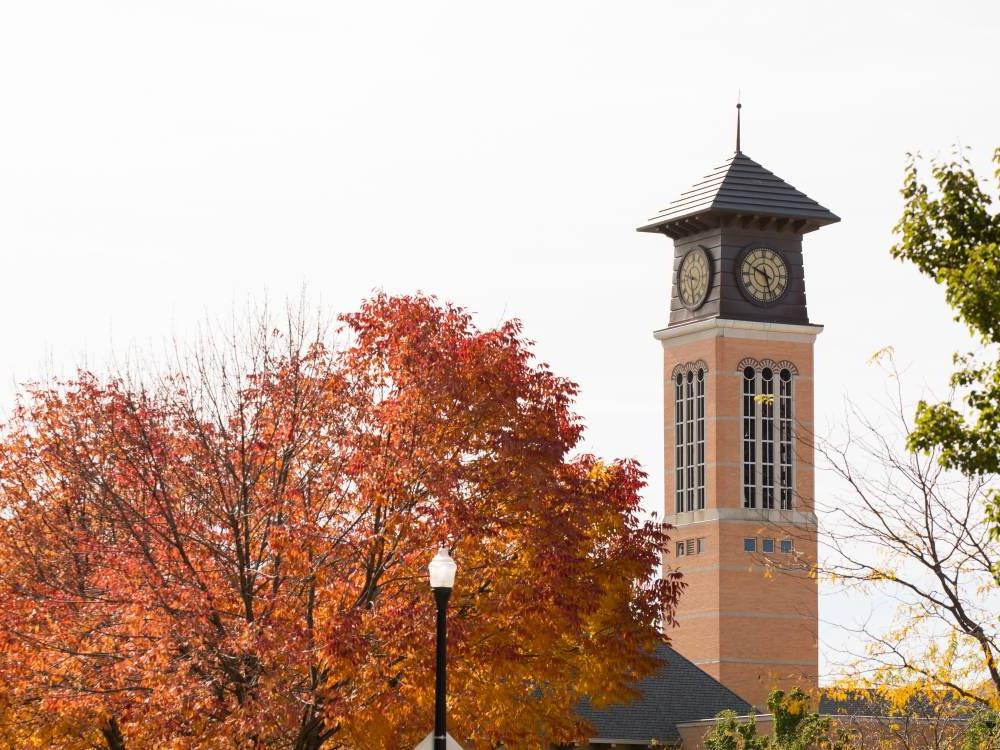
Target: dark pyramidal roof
[[677, 692], [739, 188]]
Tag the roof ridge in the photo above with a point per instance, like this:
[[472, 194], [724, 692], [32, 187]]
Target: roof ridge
[[684, 659]]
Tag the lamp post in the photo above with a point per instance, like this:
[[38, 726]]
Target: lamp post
[[442, 574]]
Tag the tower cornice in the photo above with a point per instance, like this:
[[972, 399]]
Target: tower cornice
[[752, 329], [777, 518]]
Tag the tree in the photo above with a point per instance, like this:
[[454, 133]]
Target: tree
[[730, 733], [952, 234], [917, 533], [795, 727], [983, 732], [232, 553], [919, 522]]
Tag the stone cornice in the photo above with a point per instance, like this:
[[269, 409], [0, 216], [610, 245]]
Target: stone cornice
[[752, 329], [742, 515]]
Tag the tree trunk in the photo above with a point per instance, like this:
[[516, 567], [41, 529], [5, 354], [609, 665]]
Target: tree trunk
[[311, 737], [113, 735]]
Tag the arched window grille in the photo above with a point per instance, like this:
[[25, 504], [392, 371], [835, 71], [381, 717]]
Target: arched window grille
[[767, 436], [689, 439], [749, 438], [679, 441], [700, 440], [785, 436]]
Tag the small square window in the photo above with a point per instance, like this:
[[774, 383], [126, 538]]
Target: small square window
[[680, 549], [786, 546], [767, 545], [749, 545], [700, 545]]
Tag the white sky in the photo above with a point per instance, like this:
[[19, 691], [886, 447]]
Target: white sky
[[160, 162]]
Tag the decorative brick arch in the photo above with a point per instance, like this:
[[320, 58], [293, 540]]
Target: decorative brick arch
[[760, 364], [686, 367]]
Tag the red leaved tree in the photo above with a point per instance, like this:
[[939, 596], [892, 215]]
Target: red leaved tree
[[233, 554]]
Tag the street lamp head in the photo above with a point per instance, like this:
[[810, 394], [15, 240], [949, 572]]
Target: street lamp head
[[442, 570]]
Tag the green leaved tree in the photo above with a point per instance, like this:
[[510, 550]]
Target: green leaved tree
[[983, 732], [796, 727], [951, 232]]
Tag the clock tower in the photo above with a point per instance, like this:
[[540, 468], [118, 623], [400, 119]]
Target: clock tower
[[738, 420]]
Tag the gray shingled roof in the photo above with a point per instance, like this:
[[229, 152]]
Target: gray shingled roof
[[742, 187], [677, 692], [861, 703]]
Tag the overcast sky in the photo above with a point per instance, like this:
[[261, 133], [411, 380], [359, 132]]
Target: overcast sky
[[164, 161]]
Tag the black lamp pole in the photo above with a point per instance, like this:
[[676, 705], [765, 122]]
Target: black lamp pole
[[441, 596], [442, 574]]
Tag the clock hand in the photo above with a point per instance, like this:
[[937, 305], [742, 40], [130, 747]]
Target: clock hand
[[762, 272]]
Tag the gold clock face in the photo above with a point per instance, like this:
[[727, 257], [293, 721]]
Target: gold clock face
[[694, 278], [763, 275]]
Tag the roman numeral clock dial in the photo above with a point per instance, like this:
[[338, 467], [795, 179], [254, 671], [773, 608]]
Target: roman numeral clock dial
[[694, 278], [763, 275]]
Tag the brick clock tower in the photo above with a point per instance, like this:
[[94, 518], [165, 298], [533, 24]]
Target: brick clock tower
[[738, 418]]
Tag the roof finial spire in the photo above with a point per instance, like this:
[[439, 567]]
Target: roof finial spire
[[739, 106]]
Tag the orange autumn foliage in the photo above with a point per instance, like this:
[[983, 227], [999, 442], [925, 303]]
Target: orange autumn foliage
[[233, 554]]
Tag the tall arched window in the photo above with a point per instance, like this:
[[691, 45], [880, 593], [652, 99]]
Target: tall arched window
[[767, 438], [689, 441], [699, 436], [767, 435], [785, 436], [679, 440], [749, 438], [689, 438]]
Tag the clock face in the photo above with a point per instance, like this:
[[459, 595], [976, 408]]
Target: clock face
[[694, 278], [763, 275]]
